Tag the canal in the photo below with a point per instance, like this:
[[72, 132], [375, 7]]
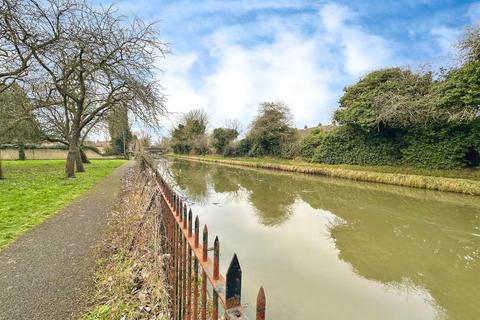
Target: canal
[[326, 248]]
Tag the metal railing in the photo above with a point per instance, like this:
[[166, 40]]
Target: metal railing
[[190, 268]]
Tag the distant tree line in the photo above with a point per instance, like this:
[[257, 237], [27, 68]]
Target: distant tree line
[[392, 116]]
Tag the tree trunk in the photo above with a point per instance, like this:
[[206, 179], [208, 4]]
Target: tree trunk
[[78, 162], [1, 170], [70, 166], [72, 157], [84, 156], [21, 151]]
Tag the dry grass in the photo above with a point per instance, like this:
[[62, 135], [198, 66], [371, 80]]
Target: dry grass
[[466, 186], [130, 279]]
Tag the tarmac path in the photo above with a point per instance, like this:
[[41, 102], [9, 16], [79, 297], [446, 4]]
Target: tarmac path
[[48, 272]]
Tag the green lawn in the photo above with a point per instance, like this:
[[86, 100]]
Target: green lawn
[[35, 189]]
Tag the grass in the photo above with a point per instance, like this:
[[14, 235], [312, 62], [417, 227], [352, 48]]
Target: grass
[[465, 181], [35, 189], [130, 281]]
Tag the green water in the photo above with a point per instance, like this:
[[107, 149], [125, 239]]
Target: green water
[[326, 248]]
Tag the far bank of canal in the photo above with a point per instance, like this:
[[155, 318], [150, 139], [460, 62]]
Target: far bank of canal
[[327, 248]]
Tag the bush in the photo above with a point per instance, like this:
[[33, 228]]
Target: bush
[[309, 143], [347, 145], [243, 147], [222, 138], [200, 148], [290, 150], [442, 147]]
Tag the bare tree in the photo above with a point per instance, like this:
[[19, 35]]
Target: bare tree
[[25, 30], [99, 61], [234, 124], [469, 44]]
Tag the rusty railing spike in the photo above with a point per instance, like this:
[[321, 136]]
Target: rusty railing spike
[[190, 223], [205, 244], [216, 258], [261, 304], [233, 284], [197, 232], [185, 217]]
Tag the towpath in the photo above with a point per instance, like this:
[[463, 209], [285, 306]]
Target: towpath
[[48, 272]]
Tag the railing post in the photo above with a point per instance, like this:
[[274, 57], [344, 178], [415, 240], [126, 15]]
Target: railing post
[[216, 259], [184, 275], [195, 289], [205, 244], [184, 217], [203, 305], [204, 274], [190, 223], [261, 303], [197, 233], [233, 294]]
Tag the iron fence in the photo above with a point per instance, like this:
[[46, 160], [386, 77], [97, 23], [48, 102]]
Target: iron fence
[[190, 268]]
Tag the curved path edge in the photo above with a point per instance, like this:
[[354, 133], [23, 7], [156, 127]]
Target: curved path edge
[[48, 272]]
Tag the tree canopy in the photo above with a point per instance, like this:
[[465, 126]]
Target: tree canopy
[[17, 124], [271, 129], [190, 133], [222, 137], [392, 97]]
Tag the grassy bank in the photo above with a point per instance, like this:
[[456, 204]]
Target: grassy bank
[[35, 189], [130, 282], [460, 181]]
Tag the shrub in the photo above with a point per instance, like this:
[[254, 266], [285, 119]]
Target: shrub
[[243, 147], [442, 147], [310, 142], [347, 145], [222, 138]]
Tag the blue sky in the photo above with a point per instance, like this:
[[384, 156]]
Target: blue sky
[[228, 56]]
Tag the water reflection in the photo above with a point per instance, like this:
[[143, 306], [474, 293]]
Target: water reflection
[[403, 238]]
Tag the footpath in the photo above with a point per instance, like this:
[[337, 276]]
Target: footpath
[[48, 272]]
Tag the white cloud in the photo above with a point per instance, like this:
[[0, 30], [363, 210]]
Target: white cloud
[[446, 39], [180, 91], [362, 51], [284, 70], [301, 68], [334, 16]]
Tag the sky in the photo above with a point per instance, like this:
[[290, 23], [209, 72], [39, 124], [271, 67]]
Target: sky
[[229, 56]]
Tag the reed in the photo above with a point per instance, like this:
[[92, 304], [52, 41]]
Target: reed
[[458, 185]]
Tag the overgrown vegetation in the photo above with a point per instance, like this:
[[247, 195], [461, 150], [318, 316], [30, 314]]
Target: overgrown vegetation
[[189, 136], [35, 189], [394, 116], [130, 282], [222, 140]]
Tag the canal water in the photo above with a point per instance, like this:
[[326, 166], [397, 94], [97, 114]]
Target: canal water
[[326, 248]]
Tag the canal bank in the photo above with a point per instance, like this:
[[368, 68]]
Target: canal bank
[[439, 183], [340, 249]]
